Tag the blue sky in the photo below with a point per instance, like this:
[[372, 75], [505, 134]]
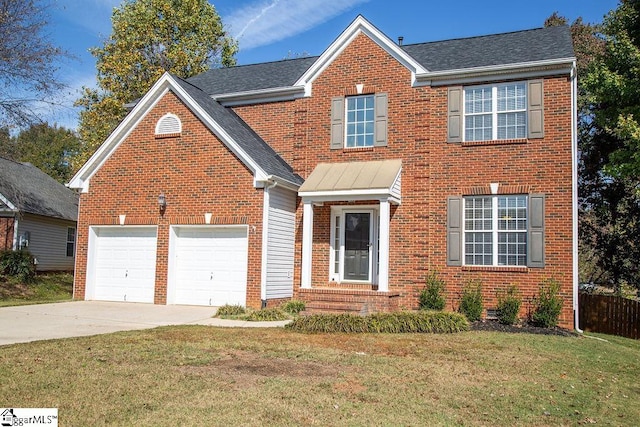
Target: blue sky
[[269, 30]]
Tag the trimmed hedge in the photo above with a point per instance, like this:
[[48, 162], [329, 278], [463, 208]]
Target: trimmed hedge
[[397, 322], [267, 315]]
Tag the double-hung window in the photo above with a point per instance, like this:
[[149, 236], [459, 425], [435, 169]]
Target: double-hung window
[[360, 121], [495, 230], [71, 241], [495, 112]]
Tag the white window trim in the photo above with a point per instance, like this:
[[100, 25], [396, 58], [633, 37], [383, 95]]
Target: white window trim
[[375, 231], [346, 121], [494, 230], [494, 109], [71, 241]]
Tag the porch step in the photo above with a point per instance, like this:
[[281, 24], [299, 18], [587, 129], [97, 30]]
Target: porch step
[[355, 301], [334, 307]]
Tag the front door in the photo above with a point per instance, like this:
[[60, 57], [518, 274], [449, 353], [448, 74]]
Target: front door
[[357, 246]]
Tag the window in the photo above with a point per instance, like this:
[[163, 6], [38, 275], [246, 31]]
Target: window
[[495, 230], [71, 241], [495, 112], [360, 121]]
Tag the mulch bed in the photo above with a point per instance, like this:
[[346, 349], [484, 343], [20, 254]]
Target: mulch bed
[[494, 325]]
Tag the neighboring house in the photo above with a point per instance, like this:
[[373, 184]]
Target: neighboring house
[[38, 214], [343, 179]]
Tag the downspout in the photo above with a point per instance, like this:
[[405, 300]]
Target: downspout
[[265, 241], [574, 190]]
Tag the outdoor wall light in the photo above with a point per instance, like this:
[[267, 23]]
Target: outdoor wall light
[[162, 202]]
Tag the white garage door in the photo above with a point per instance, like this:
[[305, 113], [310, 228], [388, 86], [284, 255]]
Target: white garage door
[[125, 264], [210, 266]]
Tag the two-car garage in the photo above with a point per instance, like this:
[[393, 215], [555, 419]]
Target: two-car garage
[[207, 265]]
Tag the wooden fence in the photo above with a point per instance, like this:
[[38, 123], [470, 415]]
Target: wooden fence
[[609, 315]]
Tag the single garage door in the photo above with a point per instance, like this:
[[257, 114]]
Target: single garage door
[[125, 263], [209, 265]]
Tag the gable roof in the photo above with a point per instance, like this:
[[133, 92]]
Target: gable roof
[[255, 153], [549, 47], [27, 189], [249, 141]]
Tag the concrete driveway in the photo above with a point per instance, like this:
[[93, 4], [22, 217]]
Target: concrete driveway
[[81, 318]]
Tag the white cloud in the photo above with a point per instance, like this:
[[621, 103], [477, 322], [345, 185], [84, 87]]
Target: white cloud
[[267, 21]]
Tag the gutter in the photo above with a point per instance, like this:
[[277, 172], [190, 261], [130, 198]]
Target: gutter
[[574, 190]]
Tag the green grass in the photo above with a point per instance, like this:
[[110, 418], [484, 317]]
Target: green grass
[[198, 375], [45, 288]]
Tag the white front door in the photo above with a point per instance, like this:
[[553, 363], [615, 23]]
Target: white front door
[[354, 245], [123, 264], [208, 266]]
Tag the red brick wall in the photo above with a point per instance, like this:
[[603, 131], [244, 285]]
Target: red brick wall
[[6, 233], [432, 170], [197, 174]]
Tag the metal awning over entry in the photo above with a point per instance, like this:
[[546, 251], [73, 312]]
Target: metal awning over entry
[[354, 181]]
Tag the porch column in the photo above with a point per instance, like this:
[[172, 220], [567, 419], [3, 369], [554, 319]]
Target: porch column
[[307, 243], [383, 276]]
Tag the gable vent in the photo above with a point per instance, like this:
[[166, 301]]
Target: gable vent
[[168, 124]]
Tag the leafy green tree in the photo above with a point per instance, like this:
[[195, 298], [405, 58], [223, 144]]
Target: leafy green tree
[[27, 61], [609, 142], [149, 37], [49, 148]]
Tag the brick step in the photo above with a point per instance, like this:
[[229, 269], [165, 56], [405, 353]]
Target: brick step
[[336, 306]]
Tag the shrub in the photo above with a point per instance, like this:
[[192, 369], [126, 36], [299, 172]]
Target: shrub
[[471, 302], [548, 304], [431, 297], [293, 306], [18, 264], [397, 322], [231, 310], [509, 303], [267, 315]]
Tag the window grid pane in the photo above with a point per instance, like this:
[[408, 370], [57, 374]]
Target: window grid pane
[[512, 248], [504, 117], [360, 121], [508, 214]]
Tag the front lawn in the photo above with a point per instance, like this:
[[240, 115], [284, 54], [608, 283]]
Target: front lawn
[[199, 375], [45, 288]]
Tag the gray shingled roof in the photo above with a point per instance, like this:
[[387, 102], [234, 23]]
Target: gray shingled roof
[[255, 147], [252, 77], [497, 49], [32, 191]]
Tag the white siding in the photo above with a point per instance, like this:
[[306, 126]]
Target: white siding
[[280, 243], [48, 241]]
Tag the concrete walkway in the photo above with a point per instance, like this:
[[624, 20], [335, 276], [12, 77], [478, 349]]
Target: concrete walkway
[[82, 318]]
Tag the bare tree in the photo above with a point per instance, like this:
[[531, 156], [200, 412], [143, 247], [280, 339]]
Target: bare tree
[[27, 61]]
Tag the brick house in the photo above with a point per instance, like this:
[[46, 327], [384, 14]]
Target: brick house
[[342, 179]]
